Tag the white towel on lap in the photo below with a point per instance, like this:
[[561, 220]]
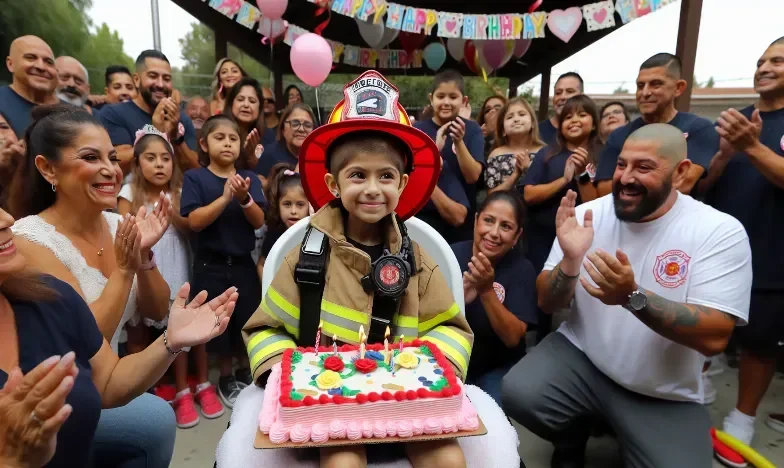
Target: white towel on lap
[[496, 449]]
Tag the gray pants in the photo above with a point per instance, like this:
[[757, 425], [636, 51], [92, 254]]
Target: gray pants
[[555, 391]]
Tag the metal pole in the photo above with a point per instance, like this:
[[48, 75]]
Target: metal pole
[[156, 26]]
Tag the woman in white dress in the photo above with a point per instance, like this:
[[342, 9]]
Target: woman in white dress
[[69, 179]]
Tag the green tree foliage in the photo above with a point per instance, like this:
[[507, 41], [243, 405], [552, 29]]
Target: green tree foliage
[[621, 90], [65, 26]]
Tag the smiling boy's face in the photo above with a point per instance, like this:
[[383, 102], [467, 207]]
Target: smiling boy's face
[[369, 185], [447, 100]]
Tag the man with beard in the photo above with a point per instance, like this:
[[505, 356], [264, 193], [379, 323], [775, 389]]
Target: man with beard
[[73, 82], [198, 109], [31, 62], [153, 105], [749, 184], [666, 280], [659, 83], [568, 85], [271, 119]]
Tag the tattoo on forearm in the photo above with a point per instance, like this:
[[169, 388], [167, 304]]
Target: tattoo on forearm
[[561, 287], [671, 314]]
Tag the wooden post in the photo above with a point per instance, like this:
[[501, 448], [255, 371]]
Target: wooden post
[[514, 83], [544, 95], [221, 46], [686, 50], [279, 98]]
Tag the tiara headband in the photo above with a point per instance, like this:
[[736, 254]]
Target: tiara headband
[[151, 130]]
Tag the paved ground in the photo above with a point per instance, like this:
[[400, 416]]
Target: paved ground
[[195, 448]]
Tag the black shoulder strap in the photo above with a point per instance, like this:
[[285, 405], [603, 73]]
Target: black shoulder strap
[[310, 275]]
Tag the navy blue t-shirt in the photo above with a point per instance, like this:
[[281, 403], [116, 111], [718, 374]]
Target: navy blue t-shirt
[[545, 168], [701, 138], [515, 284], [55, 328], [270, 136], [474, 141], [17, 109], [448, 183], [230, 233], [548, 132], [743, 192], [273, 154], [122, 120]]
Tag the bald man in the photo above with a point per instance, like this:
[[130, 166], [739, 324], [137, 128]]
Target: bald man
[[31, 62], [655, 281], [73, 82]]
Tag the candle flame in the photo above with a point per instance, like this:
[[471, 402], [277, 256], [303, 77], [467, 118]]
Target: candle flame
[[334, 338], [361, 332], [386, 333]]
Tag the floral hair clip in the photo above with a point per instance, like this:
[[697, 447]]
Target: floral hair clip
[[151, 130]]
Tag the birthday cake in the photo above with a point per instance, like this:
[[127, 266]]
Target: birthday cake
[[337, 393]]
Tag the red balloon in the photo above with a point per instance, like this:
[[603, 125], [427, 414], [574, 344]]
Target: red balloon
[[410, 41], [471, 56]]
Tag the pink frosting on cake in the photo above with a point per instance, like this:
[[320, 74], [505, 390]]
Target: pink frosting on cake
[[354, 430], [320, 423]]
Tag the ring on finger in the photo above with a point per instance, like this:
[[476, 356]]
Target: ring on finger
[[217, 321], [34, 417]]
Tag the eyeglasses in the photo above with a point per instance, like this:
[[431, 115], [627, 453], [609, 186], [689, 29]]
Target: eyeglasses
[[297, 124], [612, 112]]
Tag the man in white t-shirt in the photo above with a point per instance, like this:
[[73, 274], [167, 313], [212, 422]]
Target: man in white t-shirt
[[656, 282]]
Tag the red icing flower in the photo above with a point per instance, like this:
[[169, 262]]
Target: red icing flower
[[333, 363], [365, 365]]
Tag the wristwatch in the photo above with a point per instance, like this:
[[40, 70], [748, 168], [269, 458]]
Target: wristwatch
[[637, 301]]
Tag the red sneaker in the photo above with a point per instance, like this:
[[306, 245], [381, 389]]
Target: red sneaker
[[185, 411], [166, 392], [211, 407], [193, 382], [726, 455]]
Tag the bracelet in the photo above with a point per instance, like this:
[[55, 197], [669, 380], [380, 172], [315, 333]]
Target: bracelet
[[248, 203], [150, 264], [166, 344]]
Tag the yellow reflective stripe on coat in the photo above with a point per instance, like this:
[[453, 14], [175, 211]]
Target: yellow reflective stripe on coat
[[451, 343], [277, 307], [342, 321], [267, 343], [405, 325], [440, 318]]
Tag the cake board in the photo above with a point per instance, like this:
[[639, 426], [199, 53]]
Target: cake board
[[263, 442]]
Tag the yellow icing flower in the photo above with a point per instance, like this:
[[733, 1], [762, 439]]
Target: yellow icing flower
[[328, 379], [407, 359]]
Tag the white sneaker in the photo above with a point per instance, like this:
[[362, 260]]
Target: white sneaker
[[740, 426], [708, 390]]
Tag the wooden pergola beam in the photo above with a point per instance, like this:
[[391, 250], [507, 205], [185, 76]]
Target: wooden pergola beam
[[221, 45], [686, 49], [544, 95]]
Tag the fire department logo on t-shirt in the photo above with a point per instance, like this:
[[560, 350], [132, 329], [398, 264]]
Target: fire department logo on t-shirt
[[671, 268], [500, 292]]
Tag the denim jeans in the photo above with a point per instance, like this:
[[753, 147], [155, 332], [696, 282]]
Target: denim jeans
[[490, 381], [137, 435]]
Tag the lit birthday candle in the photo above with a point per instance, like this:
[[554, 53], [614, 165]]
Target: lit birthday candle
[[361, 342], [335, 345], [401, 343], [387, 354], [318, 336]]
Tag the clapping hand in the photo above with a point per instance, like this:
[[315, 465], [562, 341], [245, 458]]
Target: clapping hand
[[127, 244], [575, 240], [172, 116], [457, 131], [481, 273], [741, 133], [469, 291], [198, 322], [253, 143], [580, 160], [240, 187], [153, 225], [441, 135], [614, 277], [522, 162], [32, 411]]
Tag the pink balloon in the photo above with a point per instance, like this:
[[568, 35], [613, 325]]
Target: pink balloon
[[493, 53], [521, 47], [272, 9], [311, 59]]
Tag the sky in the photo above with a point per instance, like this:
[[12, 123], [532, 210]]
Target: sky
[[733, 35]]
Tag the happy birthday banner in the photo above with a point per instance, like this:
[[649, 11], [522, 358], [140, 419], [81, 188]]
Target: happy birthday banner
[[562, 23], [248, 16]]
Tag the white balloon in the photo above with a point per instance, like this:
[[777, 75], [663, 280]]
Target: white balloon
[[371, 33], [456, 48], [390, 34]]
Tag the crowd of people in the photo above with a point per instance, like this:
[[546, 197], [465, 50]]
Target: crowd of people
[[122, 197]]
